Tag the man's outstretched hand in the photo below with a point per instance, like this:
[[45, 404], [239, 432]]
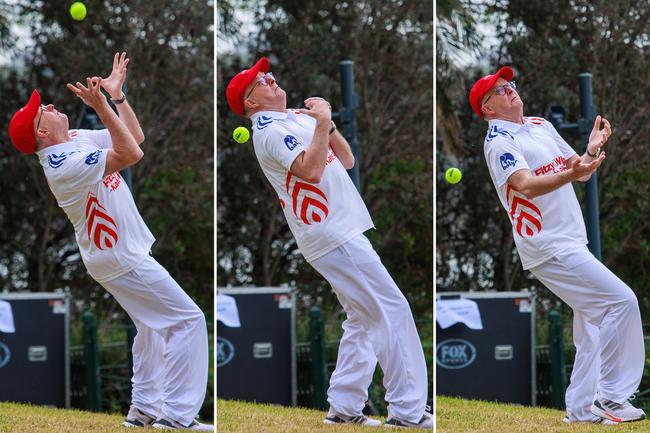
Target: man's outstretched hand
[[581, 169], [113, 83], [599, 137], [91, 95]]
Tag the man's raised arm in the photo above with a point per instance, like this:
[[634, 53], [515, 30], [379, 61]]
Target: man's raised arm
[[113, 85], [310, 164], [125, 151]]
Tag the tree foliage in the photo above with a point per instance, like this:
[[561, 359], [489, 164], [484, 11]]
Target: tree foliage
[[457, 38]]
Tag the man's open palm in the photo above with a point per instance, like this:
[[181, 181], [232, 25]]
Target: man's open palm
[[113, 83]]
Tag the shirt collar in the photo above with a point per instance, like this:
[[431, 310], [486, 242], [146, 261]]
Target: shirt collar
[[507, 125], [275, 115], [270, 114], [56, 148]]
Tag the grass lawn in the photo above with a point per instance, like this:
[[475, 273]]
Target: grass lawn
[[24, 418], [454, 415], [240, 417]]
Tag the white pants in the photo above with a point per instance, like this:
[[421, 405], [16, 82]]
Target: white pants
[[379, 327], [170, 351], [607, 331]]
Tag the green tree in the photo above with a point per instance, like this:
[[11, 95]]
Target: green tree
[[457, 39]]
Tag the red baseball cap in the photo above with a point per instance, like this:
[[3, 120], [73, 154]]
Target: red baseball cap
[[483, 85], [237, 86], [21, 126]]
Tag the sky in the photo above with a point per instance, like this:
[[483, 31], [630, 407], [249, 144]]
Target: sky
[[19, 31], [248, 26]]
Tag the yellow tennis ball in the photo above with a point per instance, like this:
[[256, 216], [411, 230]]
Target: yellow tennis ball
[[78, 11], [453, 175], [241, 134]]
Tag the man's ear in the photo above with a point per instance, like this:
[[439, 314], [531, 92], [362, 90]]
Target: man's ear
[[250, 104], [486, 110], [41, 133]]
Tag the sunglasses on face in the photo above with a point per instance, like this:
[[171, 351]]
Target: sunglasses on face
[[264, 80], [43, 109], [501, 90]]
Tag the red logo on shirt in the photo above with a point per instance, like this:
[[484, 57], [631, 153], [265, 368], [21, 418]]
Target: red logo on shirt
[[525, 216], [308, 202], [112, 181], [331, 156], [102, 229], [557, 165]]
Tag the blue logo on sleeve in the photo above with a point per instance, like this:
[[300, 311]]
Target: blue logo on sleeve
[[494, 132], [264, 121], [291, 142], [507, 160], [92, 158], [56, 161]]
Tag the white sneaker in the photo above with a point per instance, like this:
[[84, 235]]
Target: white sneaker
[[426, 422], [617, 412], [137, 418], [167, 424], [336, 418], [594, 420]]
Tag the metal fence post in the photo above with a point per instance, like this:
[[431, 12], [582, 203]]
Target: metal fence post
[[558, 362], [347, 115], [586, 123], [319, 358], [91, 358]]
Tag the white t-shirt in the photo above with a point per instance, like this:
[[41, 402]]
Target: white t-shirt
[[548, 224], [110, 232], [321, 216]]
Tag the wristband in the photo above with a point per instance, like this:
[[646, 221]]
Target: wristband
[[123, 98], [594, 155]]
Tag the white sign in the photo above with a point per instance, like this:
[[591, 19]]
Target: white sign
[[452, 311], [227, 311], [6, 318]]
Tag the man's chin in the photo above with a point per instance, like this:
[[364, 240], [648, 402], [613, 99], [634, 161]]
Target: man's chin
[[519, 105]]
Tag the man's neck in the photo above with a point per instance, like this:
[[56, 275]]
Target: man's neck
[[53, 141]]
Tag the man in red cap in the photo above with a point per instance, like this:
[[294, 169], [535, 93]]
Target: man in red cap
[[532, 169], [170, 351], [305, 159]]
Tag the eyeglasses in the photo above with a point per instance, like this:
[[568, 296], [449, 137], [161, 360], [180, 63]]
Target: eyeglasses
[[501, 90], [43, 109], [263, 80]]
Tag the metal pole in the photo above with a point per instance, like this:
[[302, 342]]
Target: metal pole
[[558, 362], [586, 123], [347, 114], [319, 358], [91, 358]]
